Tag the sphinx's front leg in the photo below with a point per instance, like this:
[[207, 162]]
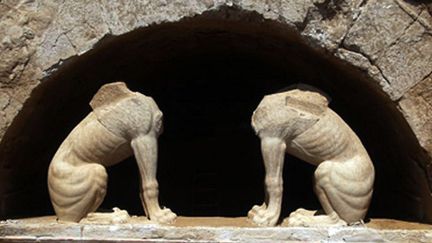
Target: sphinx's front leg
[[273, 151], [145, 150]]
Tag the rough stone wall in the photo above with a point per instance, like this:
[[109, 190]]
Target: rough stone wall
[[389, 40]]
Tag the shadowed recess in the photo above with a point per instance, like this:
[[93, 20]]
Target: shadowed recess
[[208, 74]]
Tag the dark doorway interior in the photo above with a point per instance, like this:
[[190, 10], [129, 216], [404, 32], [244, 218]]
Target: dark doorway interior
[[210, 160]]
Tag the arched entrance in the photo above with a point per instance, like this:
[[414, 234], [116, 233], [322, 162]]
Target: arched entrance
[[207, 76]]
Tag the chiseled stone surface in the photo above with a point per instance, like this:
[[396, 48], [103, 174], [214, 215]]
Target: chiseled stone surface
[[45, 229], [364, 64], [378, 26], [329, 22], [393, 35], [408, 60], [416, 105]]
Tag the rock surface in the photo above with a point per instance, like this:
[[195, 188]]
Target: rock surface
[[416, 105], [45, 229]]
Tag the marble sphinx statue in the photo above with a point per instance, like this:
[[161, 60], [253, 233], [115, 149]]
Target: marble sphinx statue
[[299, 122], [122, 123]]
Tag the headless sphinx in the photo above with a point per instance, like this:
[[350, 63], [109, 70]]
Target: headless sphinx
[[300, 123], [122, 123]]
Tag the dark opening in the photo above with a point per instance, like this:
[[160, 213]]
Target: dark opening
[[207, 75]]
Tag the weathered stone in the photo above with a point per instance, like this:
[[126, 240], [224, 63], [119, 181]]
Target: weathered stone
[[8, 109], [328, 24], [380, 24], [289, 11], [416, 105], [364, 64], [4, 100], [408, 60], [21, 29], [45, 229], [423, 90], [22, 26], [295, 11]]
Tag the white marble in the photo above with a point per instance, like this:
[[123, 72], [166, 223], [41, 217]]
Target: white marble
[[299, 122], [122, 123]]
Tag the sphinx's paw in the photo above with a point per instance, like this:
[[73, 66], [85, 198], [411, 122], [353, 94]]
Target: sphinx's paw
[[256, 210], [306, 218], [163, 216], [262, 216]]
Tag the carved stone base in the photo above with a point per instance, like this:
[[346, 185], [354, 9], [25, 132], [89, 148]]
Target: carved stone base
[[204, 229]]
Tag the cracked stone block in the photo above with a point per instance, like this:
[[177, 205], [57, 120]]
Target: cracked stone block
[[416, 106], [295, 11], [378, 26], [4, 100], [409, 60], [329, 22], [363, 63], [327, 33]]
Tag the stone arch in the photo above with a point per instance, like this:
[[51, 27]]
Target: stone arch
[[72, 54]]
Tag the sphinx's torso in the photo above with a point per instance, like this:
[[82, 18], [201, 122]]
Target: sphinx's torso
[[330, 138], [91, 142]]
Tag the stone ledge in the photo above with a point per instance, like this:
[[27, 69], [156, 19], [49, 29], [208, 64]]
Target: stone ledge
[[46, 229]]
